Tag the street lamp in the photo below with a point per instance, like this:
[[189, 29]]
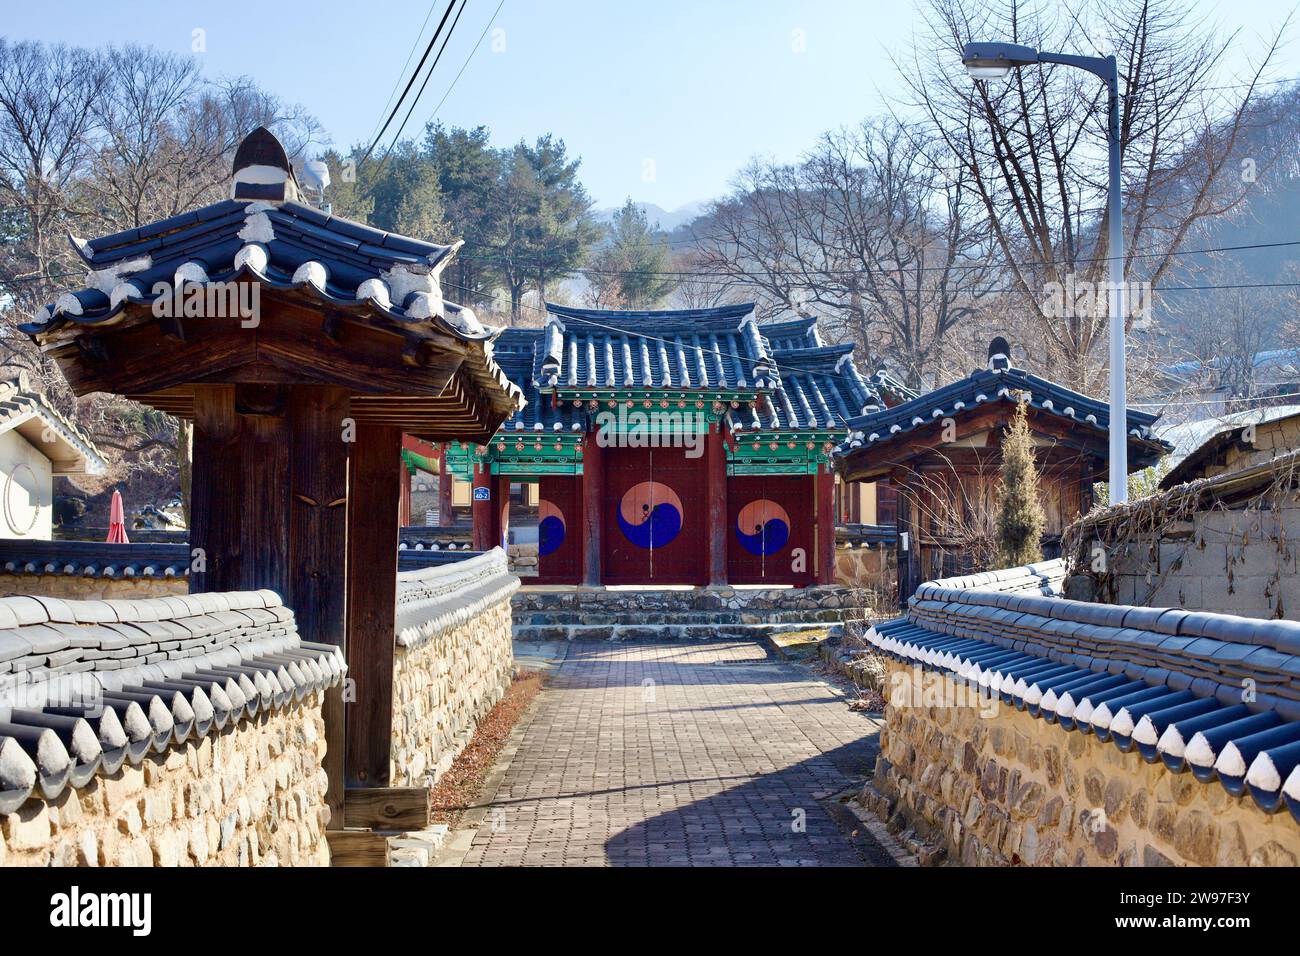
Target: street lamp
[[990, 61]]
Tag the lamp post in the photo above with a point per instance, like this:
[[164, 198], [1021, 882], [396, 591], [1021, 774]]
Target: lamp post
[[987, 61]]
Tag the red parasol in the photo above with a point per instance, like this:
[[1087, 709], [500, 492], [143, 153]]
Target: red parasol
[[117, 521]]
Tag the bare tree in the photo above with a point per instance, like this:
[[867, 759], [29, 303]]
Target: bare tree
[[1034, 147], [869, 231]]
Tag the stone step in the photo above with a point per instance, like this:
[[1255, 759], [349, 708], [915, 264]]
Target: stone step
[[686, 617], [671, 632]]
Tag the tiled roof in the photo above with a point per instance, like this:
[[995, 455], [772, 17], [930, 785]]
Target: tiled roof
[[806, 383], [718, 348], [1209, 438], [70, 450], [988, 386], [94, 558], [816, 387], [1164, 681], [266, 234], [86, 686], [517, 351]]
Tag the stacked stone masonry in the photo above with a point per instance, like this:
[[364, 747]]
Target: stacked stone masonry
[[252, 795], [183, 730], [453, 661], [1010, 789]]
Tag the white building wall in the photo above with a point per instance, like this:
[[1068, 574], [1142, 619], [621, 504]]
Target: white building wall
[[26, 490]]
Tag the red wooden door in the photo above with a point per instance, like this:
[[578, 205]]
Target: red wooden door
[[655, 514], [559, 530], [770, 529]]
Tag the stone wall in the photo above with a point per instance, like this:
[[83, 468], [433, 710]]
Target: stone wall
[[523, 559], [442, 689], [453, 662], [250, 795], [91, 588], [869, 568], [987, 785]]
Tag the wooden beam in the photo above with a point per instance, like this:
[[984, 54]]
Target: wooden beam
[[825, 505], [445, 507], [318, 541], [715, 477], [215, 539], [374, 482], [483, 511], [388, 808], [593, 489], [357, 848], [908, 549]]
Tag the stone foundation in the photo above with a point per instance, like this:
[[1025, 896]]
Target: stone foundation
[[1010, 788], [91, 588], [523, 559], [250, 795]]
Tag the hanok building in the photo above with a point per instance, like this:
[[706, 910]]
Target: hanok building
[[943, 452], [671, 447], [302, 346]]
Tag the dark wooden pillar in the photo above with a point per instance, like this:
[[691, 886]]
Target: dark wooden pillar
[[908, 549], [215, 540], [445, 507], [374, 484], [501, 512], [483, 510], [715, 477], [825, 495], [593, 495], [404, 497], [318, 538]]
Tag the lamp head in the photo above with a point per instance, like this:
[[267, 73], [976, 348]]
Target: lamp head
[[993, 61]]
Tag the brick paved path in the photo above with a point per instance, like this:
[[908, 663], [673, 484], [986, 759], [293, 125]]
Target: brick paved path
[[677, 754]]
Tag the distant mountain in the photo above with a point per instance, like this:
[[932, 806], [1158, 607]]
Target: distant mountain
[[667, 220]]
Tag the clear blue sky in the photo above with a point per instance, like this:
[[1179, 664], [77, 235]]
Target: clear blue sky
[[696, 88]]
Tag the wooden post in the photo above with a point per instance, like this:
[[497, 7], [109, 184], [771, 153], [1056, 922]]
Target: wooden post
[[374, 483], [908, 549], [215, 542], [825, 495], [445, 507], [501, 512], [318, 540], [593, 493], [483, 511], [715, 478], [404, 497]]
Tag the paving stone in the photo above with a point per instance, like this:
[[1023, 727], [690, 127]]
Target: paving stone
[[678, 754]]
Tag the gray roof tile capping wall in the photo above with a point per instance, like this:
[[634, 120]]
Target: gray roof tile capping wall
[[87, 685], [431, 600], [1211, 694]]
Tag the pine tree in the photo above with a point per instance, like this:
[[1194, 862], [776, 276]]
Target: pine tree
[[1020, 513]]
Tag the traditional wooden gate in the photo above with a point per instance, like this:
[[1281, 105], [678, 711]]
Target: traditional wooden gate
[[559, 530], [655, 514], [770, 529]]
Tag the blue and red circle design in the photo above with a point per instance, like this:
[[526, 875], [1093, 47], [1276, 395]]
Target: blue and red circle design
[[550, 528], [763, 527], [650, 514]]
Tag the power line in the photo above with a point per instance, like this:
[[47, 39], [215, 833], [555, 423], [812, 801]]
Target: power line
[[398, 82], [409, 83], [684, 273], [428, 76], [456, 78]]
